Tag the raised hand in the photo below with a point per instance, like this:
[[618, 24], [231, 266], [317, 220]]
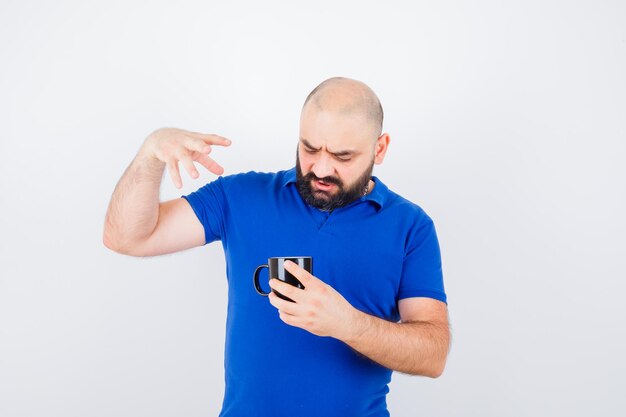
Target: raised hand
[[171, 145]]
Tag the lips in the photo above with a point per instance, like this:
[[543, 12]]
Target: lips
[[323, 186]]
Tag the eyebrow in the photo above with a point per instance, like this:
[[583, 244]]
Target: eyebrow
[[340, 153]]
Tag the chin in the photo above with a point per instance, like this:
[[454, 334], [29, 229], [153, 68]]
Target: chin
[[324, 193]]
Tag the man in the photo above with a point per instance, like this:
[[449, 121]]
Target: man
[[375, 300]]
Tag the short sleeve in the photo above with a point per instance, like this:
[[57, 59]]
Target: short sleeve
[[209, 203], [422, 275]]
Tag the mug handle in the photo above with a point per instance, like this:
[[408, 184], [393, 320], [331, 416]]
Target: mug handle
[[257, 286]]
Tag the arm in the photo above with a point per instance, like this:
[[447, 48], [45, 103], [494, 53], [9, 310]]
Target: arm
[[419, 345], [136, 223]]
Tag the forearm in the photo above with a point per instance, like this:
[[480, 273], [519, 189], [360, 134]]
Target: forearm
[[417, 348], [134, 207]]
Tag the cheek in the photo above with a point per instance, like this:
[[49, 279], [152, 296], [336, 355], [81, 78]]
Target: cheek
[[350, 174], [306, 162], [351, 169]]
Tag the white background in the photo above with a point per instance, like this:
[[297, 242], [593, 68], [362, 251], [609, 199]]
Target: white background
[[508, 126]]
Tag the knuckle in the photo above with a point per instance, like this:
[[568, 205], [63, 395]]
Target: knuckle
[[182, 151], [195, 144], [203, 147]]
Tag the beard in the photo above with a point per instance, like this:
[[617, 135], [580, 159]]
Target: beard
[[325, 200]]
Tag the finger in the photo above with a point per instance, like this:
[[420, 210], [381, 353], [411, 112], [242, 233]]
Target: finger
[[189, 166], [283, 306], [211, 138], [287, 290], [289, 319], [172, 167], [302, 274], [197, 145], [210, 164]]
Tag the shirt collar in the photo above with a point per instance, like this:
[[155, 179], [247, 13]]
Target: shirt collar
[[377, 196]]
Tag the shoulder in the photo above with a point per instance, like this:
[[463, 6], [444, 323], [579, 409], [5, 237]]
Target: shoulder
[[411, 219], [417, 226], [251, 178], [398, 205], [254, 182]]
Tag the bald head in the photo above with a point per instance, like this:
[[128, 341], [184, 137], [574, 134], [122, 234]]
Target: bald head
[[347, 97]]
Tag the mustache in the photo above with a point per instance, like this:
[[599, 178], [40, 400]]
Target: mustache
[[328, 180]]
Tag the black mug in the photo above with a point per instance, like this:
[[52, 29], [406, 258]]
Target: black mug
[[276, 266]]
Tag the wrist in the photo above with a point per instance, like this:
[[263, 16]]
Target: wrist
[[146, 166], [358, 324], [146, 155]]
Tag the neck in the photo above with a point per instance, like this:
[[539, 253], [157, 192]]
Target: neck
[[369, 187]]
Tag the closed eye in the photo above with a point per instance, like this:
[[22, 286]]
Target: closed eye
[[343, 156]]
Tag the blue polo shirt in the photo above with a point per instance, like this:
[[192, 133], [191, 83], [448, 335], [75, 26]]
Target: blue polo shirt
[[374, 251]]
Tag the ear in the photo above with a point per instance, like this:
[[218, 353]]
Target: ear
[[382, 143]]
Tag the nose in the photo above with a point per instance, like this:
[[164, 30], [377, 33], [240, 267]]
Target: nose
[[323, 167]]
